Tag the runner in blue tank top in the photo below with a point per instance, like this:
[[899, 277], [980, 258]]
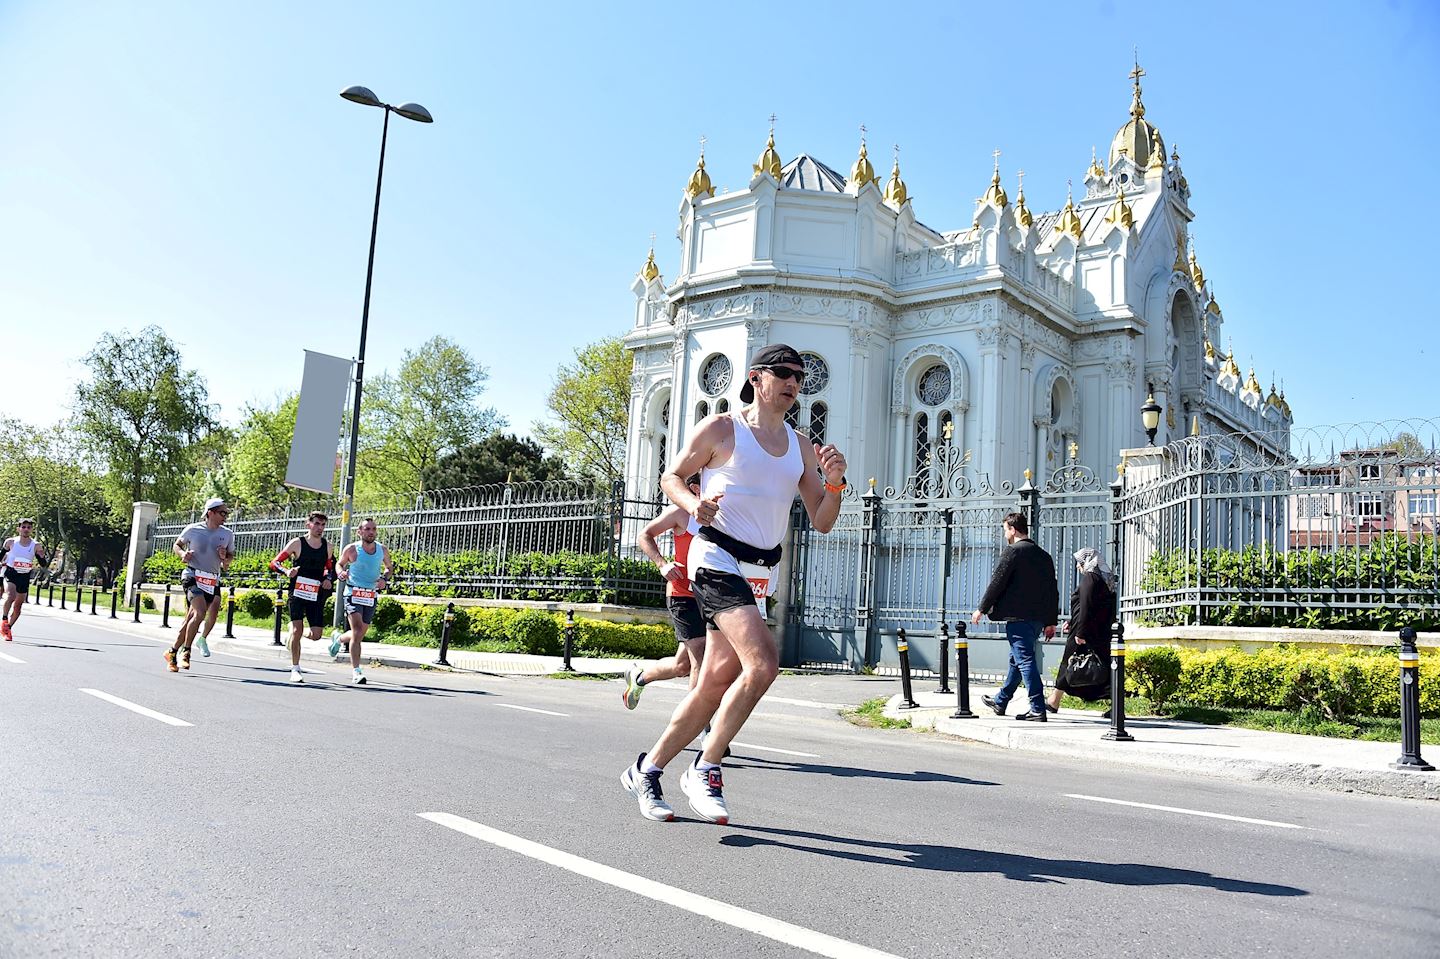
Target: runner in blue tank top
[[364, 568]]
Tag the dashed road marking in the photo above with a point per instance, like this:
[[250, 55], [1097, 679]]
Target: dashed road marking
[[776, 929], [530, 709], [136, 708], [773, 749], [11, 659], [1186, 812]]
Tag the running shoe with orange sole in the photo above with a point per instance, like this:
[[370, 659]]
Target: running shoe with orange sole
[[170, 660]]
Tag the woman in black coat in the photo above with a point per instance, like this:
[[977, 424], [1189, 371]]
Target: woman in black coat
[[1092, 610]]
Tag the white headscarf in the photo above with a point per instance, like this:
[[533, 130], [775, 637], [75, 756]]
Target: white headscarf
[[1089, 560]]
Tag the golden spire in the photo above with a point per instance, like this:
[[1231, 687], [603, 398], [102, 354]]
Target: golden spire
[[1284, 406], [1069, 221], [1212, 306], [1137, 109], [895, 191], [1195, 425], [769, 160], [996, 193], [862, 172], [1022, 215], [1231, 367], [1196, 274], [1121, 213], [699, 180], [1252, 385], [1096, 170], [1274, 398], [650, 271]]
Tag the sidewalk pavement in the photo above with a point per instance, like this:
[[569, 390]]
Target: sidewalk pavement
[[1226, 752], [253, 641]]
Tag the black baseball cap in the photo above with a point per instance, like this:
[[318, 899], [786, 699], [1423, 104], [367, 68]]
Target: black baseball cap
[[771, 355]]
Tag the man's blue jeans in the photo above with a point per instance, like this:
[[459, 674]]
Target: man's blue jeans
[[1024, 664]]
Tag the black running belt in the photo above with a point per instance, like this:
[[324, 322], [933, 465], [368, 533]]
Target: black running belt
[[744, 552]]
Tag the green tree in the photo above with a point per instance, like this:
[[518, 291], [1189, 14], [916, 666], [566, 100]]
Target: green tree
[[590, 401], [257, 459], [139, 412], [426, 410], [498, 458]]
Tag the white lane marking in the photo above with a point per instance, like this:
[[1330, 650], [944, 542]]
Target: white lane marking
[[136, 708], [684, 687], [776, 929], [772, 749], [11, 659], [1187, 812], [529, 709]]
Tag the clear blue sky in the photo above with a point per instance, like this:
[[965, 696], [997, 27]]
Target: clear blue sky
[[190, 165]]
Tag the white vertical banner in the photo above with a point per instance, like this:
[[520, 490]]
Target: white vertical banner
[[314, 446]]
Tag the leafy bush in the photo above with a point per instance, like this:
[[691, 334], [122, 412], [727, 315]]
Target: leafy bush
[[388, 613], [147, 601], [330, 609], [434, 624], [1155, 673], [256, 603], [1333, 685], [535, 632]]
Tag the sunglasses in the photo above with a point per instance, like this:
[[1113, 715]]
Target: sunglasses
[[784, 372]]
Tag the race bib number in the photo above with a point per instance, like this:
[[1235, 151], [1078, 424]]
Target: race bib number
[[306, 589], [759, 579], [22, 566], [362, 597], [206, 582]]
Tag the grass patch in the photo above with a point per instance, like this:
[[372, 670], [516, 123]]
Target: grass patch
[[871, 713], [1307, 722], [596, 677]]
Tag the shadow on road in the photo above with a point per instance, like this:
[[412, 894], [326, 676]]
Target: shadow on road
[[370, 687], [83, 649], [958, 859], [848, 772]]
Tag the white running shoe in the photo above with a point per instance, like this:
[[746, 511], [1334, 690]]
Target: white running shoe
[[296, 676], [204, 646], [358, 679], [633, 689], [335, 646], [705, 793], [645, 787]]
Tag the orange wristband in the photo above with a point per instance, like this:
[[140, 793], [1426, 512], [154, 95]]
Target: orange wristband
[[832, 488]]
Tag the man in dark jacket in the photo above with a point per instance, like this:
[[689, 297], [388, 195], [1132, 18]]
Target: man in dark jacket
[[1023, 595]]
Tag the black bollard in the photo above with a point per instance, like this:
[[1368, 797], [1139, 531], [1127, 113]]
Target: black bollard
[[93, 591], [566, 667], [64, 595], [445, 635], [903, 645], [136, 611], [1117, 731], [962, 674], [114, 602], [944, 689], [50, 600], [165, 612], [80, 597], [230, 615], [1410, 705], [279, 609]]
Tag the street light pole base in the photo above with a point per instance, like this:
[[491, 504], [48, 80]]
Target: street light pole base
[[1418, 767], [963, 714], [1113, 736]]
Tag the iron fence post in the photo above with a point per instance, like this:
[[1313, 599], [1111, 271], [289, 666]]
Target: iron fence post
[[1117, 731], [567, 667], [962, 674], [230, 615], [445, 635], [949, 515], [617, 521], [1410, 705], [903, 646], [865, 595]]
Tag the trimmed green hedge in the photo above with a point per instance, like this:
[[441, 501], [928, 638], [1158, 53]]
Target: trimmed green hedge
[[1281, 678], [537, 632], [1310, 578]]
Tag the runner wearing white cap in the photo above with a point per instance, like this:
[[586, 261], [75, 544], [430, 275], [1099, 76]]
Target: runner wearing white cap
[[206, 548]]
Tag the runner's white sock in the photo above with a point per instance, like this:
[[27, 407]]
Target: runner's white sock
[[647, 767], [703, 766]]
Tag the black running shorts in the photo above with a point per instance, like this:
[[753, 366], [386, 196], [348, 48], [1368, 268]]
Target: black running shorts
[[310, 610], [193, 592], [21, 580], [685, 614], [719, 591]]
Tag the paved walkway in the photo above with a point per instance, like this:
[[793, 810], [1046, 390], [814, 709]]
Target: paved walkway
[[1228, 752]]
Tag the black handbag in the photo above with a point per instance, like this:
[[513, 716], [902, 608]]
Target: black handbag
[[1085, 669]]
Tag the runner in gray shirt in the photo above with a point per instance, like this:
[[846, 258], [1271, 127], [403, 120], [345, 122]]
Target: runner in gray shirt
[[207, 549]]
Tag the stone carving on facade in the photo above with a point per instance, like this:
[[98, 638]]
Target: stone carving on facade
[[648, 405], [959, 374], [795, 303]]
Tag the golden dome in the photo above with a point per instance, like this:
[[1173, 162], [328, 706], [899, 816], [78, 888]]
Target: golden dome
[[1252, 385], [1137, 139], [699, 181], [1212, 306], [1231, 367], [862, 172], [1274, 398], [1069, 221], [1121, 213], [996, 193], [650, 271], [1022, 214], [769, 160], [895, 191], [1196, 274], [1284, 406], [1096, 170]]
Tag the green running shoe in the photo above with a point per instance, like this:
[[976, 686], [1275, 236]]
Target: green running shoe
[[633, 689]]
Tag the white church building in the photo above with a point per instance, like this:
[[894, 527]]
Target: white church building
[[1021, 333]]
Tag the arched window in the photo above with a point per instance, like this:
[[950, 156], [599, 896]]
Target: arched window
[[722, 406], [946, 420], [702, 410], [818, 415], [922, 442], [792, 416], [715, 375]]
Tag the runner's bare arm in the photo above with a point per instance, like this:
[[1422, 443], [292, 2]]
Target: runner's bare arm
[[709, 446], [822, 505], [342, 565], [292, 549], [386, 569], [673, 518], [182, 549]]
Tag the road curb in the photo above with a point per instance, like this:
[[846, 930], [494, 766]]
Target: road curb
[[1025, 738]]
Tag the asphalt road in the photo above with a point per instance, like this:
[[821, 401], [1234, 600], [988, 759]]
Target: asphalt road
[[447, 815]]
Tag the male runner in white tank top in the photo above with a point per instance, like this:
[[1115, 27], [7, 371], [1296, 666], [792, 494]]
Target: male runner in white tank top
[[19, 555], [755, 463]]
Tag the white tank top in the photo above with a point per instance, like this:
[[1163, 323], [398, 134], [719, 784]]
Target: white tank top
[[759, 490], [21, 558]]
